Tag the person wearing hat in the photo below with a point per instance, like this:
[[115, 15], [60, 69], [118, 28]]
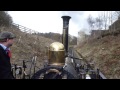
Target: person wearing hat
[[6, 41]]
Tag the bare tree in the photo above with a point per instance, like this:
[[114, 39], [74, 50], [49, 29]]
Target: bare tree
[[117, 14], [105, 19], [98, 23], [91, 22], [111, 19]]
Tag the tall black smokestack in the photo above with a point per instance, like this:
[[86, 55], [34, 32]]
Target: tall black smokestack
[[65, 32]]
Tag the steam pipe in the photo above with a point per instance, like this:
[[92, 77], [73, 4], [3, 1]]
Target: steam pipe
[[65, 32]]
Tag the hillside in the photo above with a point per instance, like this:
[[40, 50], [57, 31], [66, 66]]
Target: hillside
[[104, 53]]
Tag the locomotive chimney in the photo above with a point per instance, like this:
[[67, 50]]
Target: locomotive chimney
[[65, 32]]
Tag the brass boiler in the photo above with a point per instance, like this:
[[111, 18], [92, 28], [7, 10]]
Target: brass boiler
[[56, 55]]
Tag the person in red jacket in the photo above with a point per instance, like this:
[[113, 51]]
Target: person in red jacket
[[6, 41]]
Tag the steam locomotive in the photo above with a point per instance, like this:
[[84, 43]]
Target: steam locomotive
[[61, 64]]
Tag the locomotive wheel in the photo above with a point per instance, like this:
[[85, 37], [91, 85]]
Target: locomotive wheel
[[44, 74]]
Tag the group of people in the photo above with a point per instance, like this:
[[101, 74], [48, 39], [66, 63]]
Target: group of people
[[6, 41]]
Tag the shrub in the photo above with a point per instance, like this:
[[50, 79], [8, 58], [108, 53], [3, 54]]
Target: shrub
[[5, 19]]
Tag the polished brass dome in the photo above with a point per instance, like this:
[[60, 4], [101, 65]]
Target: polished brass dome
[[56, 54], [56, 46]]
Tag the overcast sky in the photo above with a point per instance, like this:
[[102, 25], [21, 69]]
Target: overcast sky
[[51, 21]]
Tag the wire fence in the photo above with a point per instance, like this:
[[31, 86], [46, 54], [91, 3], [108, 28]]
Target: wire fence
[[25, 29]]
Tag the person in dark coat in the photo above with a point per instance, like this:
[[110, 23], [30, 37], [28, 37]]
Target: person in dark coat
[[6, 41]]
